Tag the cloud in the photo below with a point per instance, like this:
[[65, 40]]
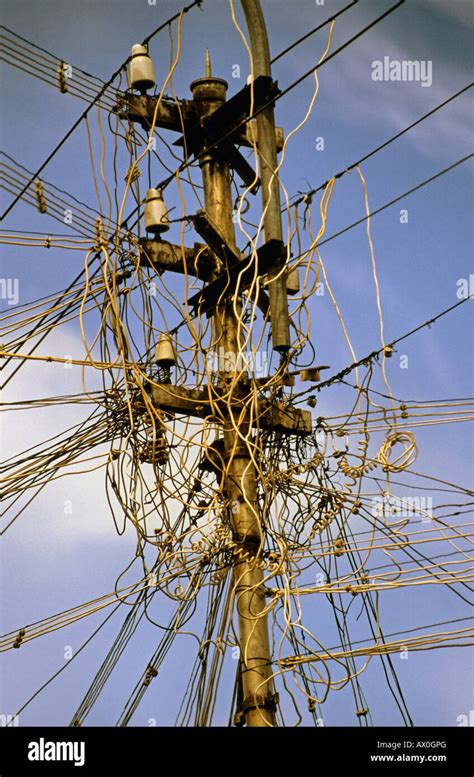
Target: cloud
[[458, 10], [364, 102], [70, 508]]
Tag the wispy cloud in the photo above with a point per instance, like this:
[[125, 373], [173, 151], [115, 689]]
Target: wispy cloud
[[363, 101], [461, 11]]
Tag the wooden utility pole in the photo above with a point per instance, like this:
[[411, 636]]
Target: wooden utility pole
[[258, 705], [283, 282], [213, 128]]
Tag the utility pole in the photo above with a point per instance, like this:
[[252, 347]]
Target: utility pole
[[212, 130], [267, 151], [258, 706]]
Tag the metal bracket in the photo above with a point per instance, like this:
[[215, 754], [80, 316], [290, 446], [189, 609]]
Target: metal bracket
[[237, 268], [222, 128], [269, 701], [264, 89]]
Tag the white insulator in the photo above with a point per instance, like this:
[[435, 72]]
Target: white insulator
[[165, 354], [156, 212], [140, 73]]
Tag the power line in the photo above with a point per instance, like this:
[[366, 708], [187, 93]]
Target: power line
[[397, 199], [55, 321], [296, 82], [46, 51], [336, 52], [375, 354], [306, 197], [15, 231], [351, 167], [56, 73], [67, 663], [126, 413], [52, 185], [187, 163], [312, 32], [411, 401], [386, 205], [408, 631], [91, 105]]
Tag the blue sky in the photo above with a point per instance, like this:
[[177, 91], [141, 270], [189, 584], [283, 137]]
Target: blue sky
[[51, 561]]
